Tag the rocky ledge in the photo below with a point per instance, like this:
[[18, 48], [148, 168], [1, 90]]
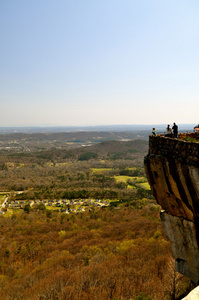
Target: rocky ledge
[[172, 168]]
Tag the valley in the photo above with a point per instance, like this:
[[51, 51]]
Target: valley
[[82, 223]]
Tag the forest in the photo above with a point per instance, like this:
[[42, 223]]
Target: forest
[[81, 223]]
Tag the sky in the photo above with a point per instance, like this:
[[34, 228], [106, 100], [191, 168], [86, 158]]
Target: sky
[[99, 62]]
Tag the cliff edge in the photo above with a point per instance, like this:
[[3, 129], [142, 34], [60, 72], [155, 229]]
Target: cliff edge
[[172, 169]]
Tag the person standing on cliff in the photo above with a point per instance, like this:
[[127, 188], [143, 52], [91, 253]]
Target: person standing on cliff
[[154, 131], [175, 130], [168, 131]]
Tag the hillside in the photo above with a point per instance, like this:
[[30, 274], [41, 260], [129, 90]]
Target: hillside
[[28, 142], [111, 150]]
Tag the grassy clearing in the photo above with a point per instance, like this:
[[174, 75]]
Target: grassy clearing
[[101, 170], [131, 187], [124, 178], [104, 170], [52, 208], [140, 182], [144, 185], [140, 179]]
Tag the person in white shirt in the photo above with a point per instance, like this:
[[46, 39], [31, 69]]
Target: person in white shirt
[[169, 131]]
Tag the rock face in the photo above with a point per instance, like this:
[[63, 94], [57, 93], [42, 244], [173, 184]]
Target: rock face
[[172, 168]]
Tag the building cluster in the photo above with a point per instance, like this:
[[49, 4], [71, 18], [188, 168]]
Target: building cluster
[[65, 205]]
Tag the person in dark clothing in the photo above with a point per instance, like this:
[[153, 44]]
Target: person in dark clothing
[[175, 130]]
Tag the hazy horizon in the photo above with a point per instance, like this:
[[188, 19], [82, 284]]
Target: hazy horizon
[[86, 63], [100, 128]]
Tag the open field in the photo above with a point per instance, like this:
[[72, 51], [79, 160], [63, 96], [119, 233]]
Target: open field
[[124, 179], [101, 170], [144, 185]]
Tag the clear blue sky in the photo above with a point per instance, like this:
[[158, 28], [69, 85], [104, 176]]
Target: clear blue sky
[[99, 62]]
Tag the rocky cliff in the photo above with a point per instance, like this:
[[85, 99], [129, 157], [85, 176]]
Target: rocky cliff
[[172, 168]]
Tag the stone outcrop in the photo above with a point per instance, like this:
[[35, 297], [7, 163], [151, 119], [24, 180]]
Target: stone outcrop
[[172, 168]]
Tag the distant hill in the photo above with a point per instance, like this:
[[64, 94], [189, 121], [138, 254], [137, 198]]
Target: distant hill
[[111, 150], [108, 149], [79, 136], [34, 142]]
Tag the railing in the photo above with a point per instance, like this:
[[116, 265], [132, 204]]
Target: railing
[[180, 131]]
